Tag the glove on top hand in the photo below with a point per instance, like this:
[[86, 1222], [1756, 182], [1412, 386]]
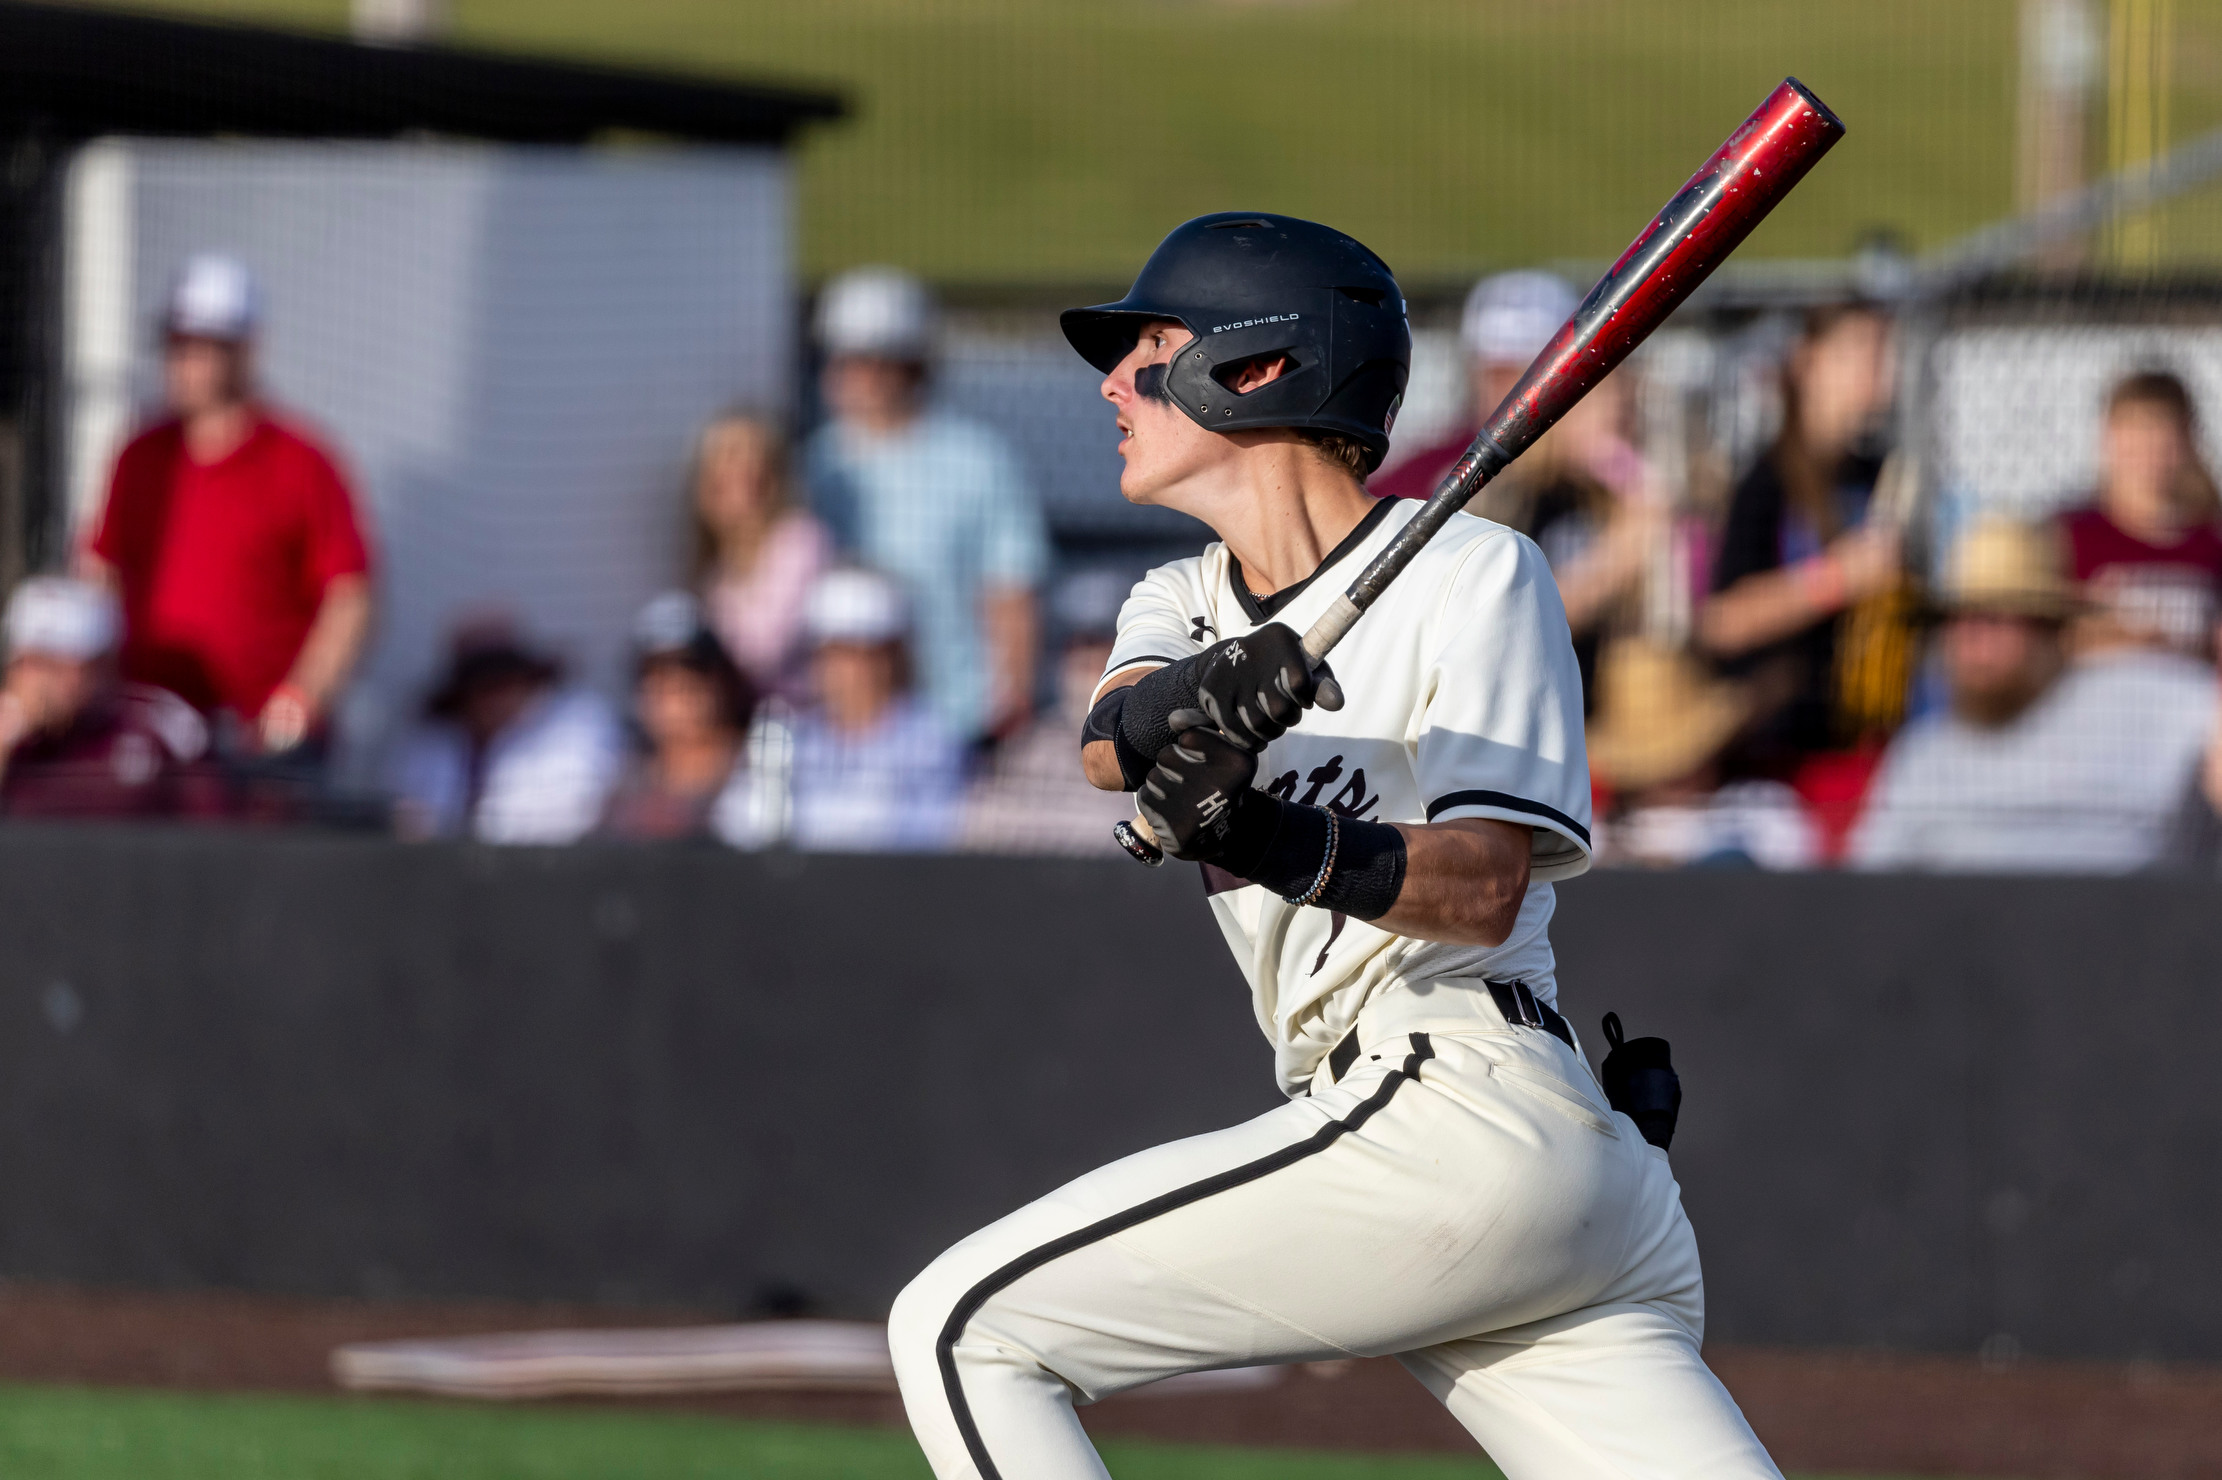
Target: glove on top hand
[[1252, 688], [1256, 687]]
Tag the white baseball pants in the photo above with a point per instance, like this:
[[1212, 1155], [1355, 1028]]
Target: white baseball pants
[[1463, 1199]]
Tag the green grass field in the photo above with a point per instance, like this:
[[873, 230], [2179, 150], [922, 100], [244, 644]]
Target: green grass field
[[55, 1433], [1053, 141]]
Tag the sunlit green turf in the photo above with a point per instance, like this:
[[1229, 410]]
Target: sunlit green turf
[[1054, 141], [82, 1434], [61, 1433]]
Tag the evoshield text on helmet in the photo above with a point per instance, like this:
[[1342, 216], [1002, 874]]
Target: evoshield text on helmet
[[1249, 285]]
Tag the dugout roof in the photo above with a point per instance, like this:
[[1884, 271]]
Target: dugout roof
[[77, 72]]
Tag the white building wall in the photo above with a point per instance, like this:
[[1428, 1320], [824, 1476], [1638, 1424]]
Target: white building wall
[[511, 348]]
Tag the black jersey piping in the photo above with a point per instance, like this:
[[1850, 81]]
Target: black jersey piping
[[1264, 608], [945, 1349], [1510, 803]]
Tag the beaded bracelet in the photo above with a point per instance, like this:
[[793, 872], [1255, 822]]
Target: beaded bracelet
[[1326, 865]]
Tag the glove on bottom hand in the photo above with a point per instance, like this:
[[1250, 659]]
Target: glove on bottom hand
[[1199, 801], [1198, 798]]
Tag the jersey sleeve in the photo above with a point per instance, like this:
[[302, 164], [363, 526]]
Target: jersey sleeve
[[1500, 728], [1157, 624]]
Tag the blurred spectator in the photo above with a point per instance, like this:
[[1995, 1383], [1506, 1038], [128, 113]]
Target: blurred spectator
[[2040, 765], [691, 705], [933, 500], [230, 535], [506, 753], [1582, 492], [1662, 723], [2194, 844], [1799, 550], [77, 742], [755, 553], [1035, 800], [873, 769], [2147, 553]]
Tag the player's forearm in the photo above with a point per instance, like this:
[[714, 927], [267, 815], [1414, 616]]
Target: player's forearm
[[1464, 881], [334, 642], [1099, 759]]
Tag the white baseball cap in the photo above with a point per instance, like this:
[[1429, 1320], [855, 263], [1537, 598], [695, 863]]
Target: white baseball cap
[[61, 618], [878, 311], [213, 297], [855, 605], [1511, 316]]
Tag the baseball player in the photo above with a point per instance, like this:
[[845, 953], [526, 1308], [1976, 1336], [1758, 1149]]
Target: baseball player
[[1447, 1182]]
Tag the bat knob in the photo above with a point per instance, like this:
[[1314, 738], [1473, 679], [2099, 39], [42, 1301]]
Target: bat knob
[[1139, 848]]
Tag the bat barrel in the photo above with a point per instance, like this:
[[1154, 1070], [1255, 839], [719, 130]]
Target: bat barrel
[[1711, 214], [1708, 218]]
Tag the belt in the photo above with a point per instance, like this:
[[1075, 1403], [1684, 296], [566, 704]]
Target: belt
[[1518, 1005]]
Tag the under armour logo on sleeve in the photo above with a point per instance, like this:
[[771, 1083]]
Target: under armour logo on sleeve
[[1203, 626]]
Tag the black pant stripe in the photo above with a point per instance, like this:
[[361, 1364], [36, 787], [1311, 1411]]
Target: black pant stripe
[[945, 1349]]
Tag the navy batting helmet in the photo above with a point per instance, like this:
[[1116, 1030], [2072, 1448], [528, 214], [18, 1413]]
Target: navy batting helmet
[[1247, 285]]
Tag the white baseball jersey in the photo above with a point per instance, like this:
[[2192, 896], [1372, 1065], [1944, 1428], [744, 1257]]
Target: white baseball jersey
[[1462, 699]]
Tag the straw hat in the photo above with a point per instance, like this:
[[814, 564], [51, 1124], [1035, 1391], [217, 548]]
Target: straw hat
[[2008, 568], [1659, 715]]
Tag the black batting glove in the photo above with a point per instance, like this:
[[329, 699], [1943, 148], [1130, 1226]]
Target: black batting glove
[[1256, 687], [1198, 798]]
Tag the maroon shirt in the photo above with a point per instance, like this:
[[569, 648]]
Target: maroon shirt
[[141, 753], [2172, 591], [1417, 475]]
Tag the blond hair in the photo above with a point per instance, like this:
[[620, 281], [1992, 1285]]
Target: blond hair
[[725, 432]]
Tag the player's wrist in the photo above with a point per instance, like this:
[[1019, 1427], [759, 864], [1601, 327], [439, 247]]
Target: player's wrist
[[1142, 725], [1309, 856], [1103, 724]]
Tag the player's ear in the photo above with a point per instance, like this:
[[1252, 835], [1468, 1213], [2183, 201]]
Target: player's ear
[[1250, 374]]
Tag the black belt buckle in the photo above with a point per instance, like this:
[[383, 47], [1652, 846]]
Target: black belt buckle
[[1521, 1010]]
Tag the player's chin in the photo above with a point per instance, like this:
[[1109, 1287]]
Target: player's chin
[[1136, 484]]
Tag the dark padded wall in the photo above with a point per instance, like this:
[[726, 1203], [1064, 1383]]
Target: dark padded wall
[[1924, 1113], [1921, 1114], [656, 1075]]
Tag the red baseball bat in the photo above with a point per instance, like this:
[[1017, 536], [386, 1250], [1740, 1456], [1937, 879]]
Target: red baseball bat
[[1708, 218]]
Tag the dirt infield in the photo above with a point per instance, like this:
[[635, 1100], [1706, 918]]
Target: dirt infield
[[1817, 1411]]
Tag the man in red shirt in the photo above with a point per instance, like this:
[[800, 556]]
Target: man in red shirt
[[231, 537]]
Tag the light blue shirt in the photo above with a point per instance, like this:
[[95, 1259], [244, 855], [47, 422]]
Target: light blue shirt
[[2085, 781], [943, 507], [891, 789]]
